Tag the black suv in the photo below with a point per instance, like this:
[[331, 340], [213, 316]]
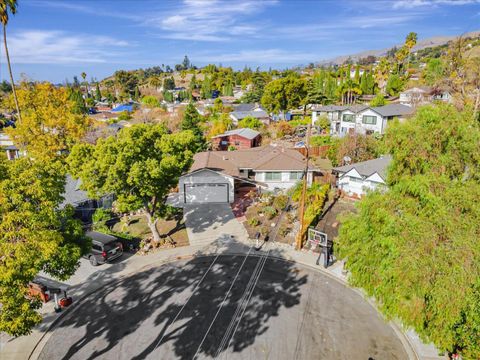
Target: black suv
[[105, 248]]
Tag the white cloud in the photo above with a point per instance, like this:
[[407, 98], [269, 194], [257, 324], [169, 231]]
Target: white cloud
[[57, 47], [214, 20], [258, 56], [410, 4]]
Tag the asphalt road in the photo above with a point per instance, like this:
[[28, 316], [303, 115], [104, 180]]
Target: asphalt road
[[294, 312]]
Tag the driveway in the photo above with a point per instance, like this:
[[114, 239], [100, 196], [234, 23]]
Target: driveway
[[209, 222]]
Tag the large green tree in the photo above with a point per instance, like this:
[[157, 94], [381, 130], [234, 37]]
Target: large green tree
[[415, 247], [140, 166], [284, 94], [34, 236], [191, 121]]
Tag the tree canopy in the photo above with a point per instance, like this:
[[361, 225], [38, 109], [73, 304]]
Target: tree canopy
[[250, 122], [34, 236], [49, 123], [284, 94], [191, 121], [415, 247], [140, 166]]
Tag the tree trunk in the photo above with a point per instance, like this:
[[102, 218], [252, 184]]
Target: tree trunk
[[152, 224], [10, 71]]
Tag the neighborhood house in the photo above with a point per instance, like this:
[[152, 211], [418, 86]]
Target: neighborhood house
[[216, 176], [357, 179], [257, 113], [360, 119], [240, 139]]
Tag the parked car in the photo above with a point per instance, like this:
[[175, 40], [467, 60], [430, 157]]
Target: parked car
[[105, 248]]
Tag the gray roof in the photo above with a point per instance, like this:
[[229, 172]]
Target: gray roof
[[369, 167], [393, 110], [330, 108], [357, 108], [243, 114], [245, 107], [244, 132], [73, 194]]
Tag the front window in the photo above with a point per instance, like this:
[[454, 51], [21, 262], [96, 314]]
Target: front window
[[354, 179], [370, 120], [348, 118], [296, 175], [273, 176]]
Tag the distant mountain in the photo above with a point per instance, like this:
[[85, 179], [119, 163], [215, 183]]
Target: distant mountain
[[421, 44]]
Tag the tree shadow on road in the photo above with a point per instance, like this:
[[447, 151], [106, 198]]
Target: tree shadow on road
[[135, 314]]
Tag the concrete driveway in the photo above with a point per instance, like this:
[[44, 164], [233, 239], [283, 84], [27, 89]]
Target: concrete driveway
[[209, 222]]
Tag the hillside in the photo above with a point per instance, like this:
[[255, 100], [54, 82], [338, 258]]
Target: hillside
[[421, 44]]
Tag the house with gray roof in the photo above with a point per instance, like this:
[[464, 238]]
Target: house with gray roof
[[361, 119], [259, 114], [359, 178], [83, 205]]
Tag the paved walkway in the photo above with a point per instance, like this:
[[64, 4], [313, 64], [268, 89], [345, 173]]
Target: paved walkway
[[209, 234]]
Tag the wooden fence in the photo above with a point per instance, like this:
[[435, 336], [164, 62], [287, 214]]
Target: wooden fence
[[317, 151]]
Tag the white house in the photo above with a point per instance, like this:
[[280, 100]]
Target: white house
[[360, 119], [216, 175], [423, 95], [357, 179]]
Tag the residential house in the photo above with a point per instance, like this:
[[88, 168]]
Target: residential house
[[359, 178], [83, 205], [424, 95], [216, 176], [259, 114], [239, 138], [7, 145], [361, 119]]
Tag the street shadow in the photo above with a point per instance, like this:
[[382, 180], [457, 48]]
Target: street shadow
[[133, 317]]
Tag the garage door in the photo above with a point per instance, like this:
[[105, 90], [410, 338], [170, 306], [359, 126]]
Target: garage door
[[206, 193]]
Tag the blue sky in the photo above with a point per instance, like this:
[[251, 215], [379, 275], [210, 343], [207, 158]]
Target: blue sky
[[56, 39]]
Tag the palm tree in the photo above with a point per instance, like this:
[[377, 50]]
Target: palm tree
[[84, 76], [5, 7]]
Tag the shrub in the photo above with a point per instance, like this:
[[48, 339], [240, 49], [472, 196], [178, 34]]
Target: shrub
[[280, 202], [124, 115], [264, 230], [100, 217], [270, 212], [266, 199], [253, 222], [320, 140], [151, 101]]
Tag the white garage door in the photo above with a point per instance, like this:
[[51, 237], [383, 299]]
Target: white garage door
[[206, 193]]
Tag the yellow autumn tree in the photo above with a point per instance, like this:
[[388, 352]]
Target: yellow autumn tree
[[49, 123]]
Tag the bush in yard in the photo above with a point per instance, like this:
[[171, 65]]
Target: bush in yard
[[101, 216], [264, 230], [270, 212], [280, 202], [253, 222]]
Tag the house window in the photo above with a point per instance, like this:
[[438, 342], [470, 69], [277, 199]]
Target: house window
[[296, 175], [348, 117], [354, 179], [237, 143], [273, 176], [370, 120]]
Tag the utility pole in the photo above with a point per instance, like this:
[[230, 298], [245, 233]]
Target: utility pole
[[299, 241]]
